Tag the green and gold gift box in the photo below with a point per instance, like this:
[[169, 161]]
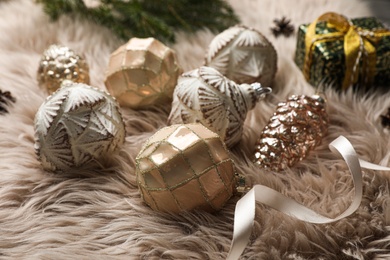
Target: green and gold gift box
[[344, 53]]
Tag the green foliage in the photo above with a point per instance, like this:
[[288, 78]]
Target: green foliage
[[148, 18]]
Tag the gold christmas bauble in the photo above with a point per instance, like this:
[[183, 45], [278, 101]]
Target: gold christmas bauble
[[243, 55], [185, 167], [141, 73], [59, 63], [76, 125], [297, 126]]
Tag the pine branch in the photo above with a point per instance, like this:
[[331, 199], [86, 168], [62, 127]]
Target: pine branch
[[148, 18]]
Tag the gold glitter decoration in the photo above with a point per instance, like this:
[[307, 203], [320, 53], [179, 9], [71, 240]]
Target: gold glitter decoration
[[142, 72], [296, 127], [59, 63], [76, 125], [185, 167]]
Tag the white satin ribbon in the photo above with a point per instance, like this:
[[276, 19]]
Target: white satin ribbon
[[245, 207]]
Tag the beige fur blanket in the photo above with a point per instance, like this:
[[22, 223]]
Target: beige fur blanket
[[99, 214]]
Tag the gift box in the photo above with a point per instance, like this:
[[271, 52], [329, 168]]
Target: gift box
[[343, 53]]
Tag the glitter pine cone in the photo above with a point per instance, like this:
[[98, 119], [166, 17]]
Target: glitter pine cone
[[296, 127]]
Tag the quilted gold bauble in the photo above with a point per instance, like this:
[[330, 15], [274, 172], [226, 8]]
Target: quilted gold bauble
[[206, 96], [141, 73], [243, 55], [59, 63], [297, 126], [76, 125], [185, 167]]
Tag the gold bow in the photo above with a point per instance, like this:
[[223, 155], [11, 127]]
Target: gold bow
[[358, 43]]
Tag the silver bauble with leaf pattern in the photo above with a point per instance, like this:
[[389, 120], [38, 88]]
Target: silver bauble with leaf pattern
[[244, 55], [76, 125], [206, 96]]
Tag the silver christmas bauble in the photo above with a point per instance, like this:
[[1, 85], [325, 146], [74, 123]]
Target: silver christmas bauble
[[243, 55], [206, 96], [59, 63], [76, 125]]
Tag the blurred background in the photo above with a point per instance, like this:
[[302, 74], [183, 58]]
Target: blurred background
[[381, 9]]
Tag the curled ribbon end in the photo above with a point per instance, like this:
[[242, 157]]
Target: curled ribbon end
[[244, 215]]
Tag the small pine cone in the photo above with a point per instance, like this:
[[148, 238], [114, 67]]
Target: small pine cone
[[5, 99], [296, 127]]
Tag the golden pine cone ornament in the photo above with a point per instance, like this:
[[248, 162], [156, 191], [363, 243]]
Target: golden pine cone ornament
[[296, 127]]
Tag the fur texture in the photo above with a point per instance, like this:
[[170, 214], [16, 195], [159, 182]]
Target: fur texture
[[97, 213]]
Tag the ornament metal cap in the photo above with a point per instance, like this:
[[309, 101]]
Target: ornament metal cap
[[260, 91], [253, 93]]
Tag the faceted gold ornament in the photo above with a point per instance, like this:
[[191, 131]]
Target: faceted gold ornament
[[243, 55], [142, 72], [206, 96], [185, 167], [59, 63], [77, 125], [296, 127]]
